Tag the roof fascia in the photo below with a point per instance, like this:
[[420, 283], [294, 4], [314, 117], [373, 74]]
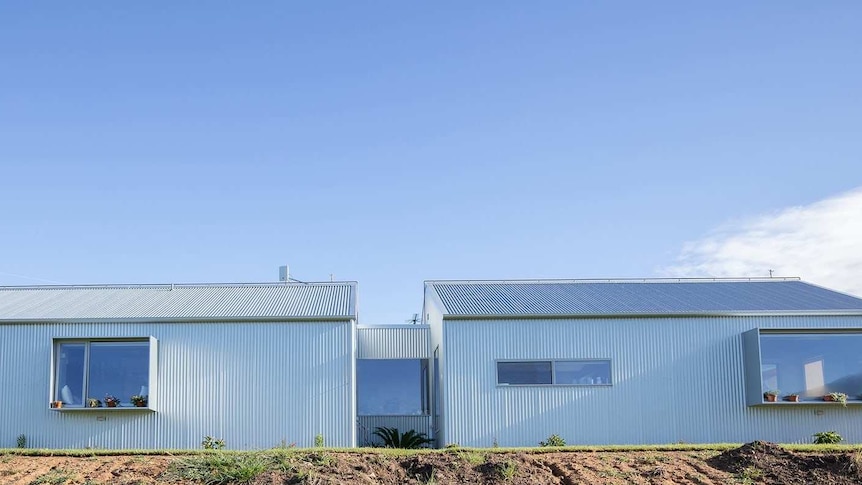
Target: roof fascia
[[799, 313], [35, 321]]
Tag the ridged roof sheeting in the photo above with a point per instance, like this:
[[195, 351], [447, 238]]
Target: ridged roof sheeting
[[179, 302], [646, 297]]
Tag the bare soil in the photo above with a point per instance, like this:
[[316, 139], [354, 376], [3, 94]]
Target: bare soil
[[756, 462]]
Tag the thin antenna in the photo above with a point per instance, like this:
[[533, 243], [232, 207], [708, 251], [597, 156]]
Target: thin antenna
[[413, 320], [770, 273], [331, 277]]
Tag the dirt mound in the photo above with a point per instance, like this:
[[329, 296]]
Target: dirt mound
[[757, 462], [763, 462]]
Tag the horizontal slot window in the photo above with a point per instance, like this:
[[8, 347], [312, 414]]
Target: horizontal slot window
[[554, 372]]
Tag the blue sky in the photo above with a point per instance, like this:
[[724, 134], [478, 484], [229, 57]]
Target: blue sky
[[393, 142]]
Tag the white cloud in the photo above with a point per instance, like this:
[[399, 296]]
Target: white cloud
[[820, 242]]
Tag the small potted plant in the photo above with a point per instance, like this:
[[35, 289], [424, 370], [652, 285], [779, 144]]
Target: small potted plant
[[836, 397], [56, 404], [92, 402], [111, 401], [792, 398], [139, 401], [771, 395]]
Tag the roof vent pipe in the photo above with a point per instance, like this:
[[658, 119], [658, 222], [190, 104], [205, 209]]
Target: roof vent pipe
[[284, 274]]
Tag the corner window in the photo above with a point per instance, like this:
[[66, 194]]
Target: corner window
[[805, 364], [88, 373], [392, 387], [554, 372]]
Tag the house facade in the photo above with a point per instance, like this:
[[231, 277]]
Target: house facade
[[638, 362], [503, 363], [256, 365]]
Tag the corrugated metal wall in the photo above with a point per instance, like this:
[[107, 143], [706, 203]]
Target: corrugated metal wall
[[393, 342], [675, 379], [367, 424], [251, 384]]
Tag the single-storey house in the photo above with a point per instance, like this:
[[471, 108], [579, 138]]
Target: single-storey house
[[257, 365], [652, 361], [492, 362]]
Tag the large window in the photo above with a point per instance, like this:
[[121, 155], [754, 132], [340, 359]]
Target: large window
[[392, 387], [807, 364], [87, 370], [554, 372]]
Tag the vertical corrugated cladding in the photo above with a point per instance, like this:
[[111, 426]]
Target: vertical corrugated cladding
[[251, 384], [674, 379], [394, 342]]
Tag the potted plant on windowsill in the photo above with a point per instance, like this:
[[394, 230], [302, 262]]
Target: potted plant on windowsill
[[771, 395], [139, 401], [56, 404], [792, 398], [92, 402], [111, 401], [836, 397]]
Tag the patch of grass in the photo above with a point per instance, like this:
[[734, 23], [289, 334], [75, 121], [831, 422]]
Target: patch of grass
[[472, 457], [219, 468], [749, 475], [53, 477], [508, 470]]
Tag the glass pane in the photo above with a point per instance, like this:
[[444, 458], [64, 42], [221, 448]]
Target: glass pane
[[812, 365], [524, 372], [583, 372], [70, 374], [389, 386], [120, 369]]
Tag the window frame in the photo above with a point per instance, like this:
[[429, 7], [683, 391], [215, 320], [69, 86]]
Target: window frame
[[152, 373], [553, 363], [753, 362]]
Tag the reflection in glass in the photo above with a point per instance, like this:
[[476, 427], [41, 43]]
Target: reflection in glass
[[536, 372], [582, 372], [118, 368], [69, 386], [812, 365], [391, 386]]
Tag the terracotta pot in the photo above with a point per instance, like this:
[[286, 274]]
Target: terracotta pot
[[140, 404], [769, 397], [793, 398], [828, 398], [111, 404]]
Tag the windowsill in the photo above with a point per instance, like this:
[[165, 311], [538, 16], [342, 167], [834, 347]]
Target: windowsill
[[555, 385], [810, 403], [102, 409]]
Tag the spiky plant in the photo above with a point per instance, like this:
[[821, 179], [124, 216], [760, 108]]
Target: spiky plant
[[392, 438]]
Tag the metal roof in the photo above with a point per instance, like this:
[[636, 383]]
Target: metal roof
[[269, 301], [638, 297]]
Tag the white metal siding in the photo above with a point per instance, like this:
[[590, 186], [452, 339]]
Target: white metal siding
[[252, 385], [394, 342], [675, 379]]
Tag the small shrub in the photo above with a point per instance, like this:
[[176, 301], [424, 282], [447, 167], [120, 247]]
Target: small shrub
[[827, 438], [553, 440], [318, 441], [394, 439], [22, 440], [210, 443]]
